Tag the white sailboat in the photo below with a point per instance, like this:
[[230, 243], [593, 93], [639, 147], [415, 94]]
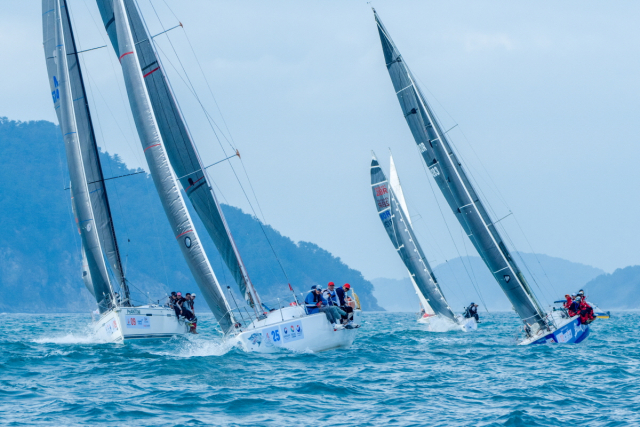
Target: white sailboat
[[119, 318], [426, 313], [171, 152], [394, 214], [437, 153]]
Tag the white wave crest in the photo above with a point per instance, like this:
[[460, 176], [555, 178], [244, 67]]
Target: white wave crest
[[69, 339], [198, 347], [442, 324]]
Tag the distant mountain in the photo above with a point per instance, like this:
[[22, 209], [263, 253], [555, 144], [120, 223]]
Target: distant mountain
[[467, 279], [618, 290], [39, 244]]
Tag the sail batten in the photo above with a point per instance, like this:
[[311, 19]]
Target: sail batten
[[455, 185], [395, 220], [180, 147]]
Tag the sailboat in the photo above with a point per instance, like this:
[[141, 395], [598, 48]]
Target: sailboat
[[174, 163], [436, 150], [119, 317], [394, 214]]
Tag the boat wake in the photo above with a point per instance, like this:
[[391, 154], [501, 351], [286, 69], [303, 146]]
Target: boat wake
[[195, 347], [70, 338], [442, 324]]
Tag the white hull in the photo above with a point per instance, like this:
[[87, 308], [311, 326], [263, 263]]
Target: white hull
[[294, 330], [144, 322]]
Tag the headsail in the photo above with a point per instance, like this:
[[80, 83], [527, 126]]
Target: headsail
[[394, 182], [456, 187], [165, 183], [179, 145], [88, 216], [404, 240]]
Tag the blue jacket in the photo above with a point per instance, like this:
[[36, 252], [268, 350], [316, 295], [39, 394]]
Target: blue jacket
[[311, 302]]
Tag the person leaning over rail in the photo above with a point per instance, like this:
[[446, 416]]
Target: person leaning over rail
[[315, 302]]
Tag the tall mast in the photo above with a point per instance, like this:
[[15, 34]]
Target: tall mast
[[456, 187]]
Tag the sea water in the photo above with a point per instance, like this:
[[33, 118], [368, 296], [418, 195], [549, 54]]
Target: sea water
[[397, 373]]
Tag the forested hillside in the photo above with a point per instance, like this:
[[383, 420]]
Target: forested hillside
[[39, 245]]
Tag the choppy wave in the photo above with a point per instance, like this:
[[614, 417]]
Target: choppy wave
[[396, 373]]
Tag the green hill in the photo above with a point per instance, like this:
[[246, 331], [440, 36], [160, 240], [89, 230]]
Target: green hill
[[40, 248]]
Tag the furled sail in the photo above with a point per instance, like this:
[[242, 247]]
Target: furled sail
[[179, 145], [456, 187], [88, 216], [165, 183], [394, 182], [89, 148], [401, 233]]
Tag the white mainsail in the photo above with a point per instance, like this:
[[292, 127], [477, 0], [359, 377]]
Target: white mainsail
[[163, 178], [394, 182]]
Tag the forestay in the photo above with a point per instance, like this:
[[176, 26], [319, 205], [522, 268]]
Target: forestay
[[436, 151], [401, 233], [179, 145], [165, 183], [91, 219]]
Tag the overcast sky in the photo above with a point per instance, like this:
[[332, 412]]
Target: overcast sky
[[545, 95]]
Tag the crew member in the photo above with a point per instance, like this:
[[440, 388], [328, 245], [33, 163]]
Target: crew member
[[574, 309], [586, 313], [313, 298], [472, 311], [194, 321], [186, 307], [341, 295]]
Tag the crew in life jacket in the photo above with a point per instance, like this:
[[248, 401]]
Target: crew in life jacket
[[472, 311], [586, 313], [574, 308], [568, 302]]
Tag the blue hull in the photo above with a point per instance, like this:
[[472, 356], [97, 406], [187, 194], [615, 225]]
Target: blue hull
[[571, 333]]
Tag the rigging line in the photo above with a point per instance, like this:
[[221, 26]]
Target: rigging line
[[486, 203], [221, 115], [449, 231], [125, 106], [210, 119], [82, 70], [192, 89], [495, 187], [534, 253], [115, 187], [113, 177], [542, 291], [86, 50], [204, 76]]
